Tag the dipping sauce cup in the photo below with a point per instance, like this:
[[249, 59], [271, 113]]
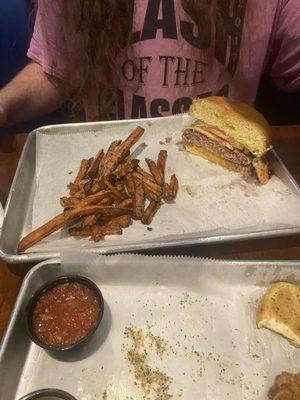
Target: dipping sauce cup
[[48, 394], [64, 313]]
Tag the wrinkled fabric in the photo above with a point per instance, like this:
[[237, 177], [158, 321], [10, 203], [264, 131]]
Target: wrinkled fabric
[[170, 62]]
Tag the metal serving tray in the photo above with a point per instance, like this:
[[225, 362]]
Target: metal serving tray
[[19, 204], [196, 317], [1, 215]]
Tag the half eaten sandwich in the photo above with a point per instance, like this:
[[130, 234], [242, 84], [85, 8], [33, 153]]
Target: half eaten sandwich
[[231, 134]]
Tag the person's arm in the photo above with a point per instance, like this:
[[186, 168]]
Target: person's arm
[[29, 95]]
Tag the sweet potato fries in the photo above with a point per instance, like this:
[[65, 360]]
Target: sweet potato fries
[[108, 192]]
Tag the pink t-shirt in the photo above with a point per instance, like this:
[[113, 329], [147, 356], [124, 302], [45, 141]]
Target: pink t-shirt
[[170, 62]]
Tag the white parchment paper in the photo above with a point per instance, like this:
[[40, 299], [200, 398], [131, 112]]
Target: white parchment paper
[[203, 310], [211, 200]]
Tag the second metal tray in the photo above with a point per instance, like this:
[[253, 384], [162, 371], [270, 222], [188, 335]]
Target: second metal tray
[[188, 322]]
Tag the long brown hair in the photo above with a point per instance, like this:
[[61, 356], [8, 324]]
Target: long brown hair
[[101, 29]]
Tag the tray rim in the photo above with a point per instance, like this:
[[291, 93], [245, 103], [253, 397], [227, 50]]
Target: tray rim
[[153, 244], [1, 216]]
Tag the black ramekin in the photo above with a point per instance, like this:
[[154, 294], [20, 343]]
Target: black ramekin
[[42, 393], [61, 280]]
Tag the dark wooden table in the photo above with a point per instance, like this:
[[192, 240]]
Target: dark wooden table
[[286, 140]]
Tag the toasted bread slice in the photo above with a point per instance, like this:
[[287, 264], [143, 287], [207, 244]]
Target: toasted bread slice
[[280, 311]]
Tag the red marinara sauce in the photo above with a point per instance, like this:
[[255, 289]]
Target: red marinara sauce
[[65, 314]]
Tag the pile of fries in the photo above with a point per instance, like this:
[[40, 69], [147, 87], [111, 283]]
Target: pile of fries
[[108, 192]]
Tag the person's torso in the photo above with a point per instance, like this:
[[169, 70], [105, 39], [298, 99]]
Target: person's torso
[[170, 62]]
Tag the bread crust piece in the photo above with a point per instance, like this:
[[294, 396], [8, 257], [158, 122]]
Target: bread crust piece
[[279, 311], [262, 170], [238, 120]]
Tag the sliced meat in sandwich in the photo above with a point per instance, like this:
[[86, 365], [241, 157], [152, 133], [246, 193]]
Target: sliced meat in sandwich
[[231, 134]]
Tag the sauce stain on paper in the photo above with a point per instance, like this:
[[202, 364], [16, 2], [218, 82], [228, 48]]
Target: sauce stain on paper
[[191, 191], [167, 140]]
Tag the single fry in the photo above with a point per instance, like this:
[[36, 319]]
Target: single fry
[[89, 220], [97, 185], [79, 194], [108, 201], [112, 148], [161, 163], [84, 166], [124, 168], [153, 186], [65, 202], [127, 154], [150, 195], [170, 190], [167, 194], [94, 198], [111, 229], [40, 233], [99, 231], [135, 135], [126, 203], [97, 210], [129, 184], [114, 191], [80, 231], [174, 185], [144, 173], [150, 212], [120, 152], [123, 221], [262, 170], [94, 167], [68, 202], [138, 202], [155, 171], [108, 154], [85, 186], [119, 186], [96, 233], [73, 189]]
